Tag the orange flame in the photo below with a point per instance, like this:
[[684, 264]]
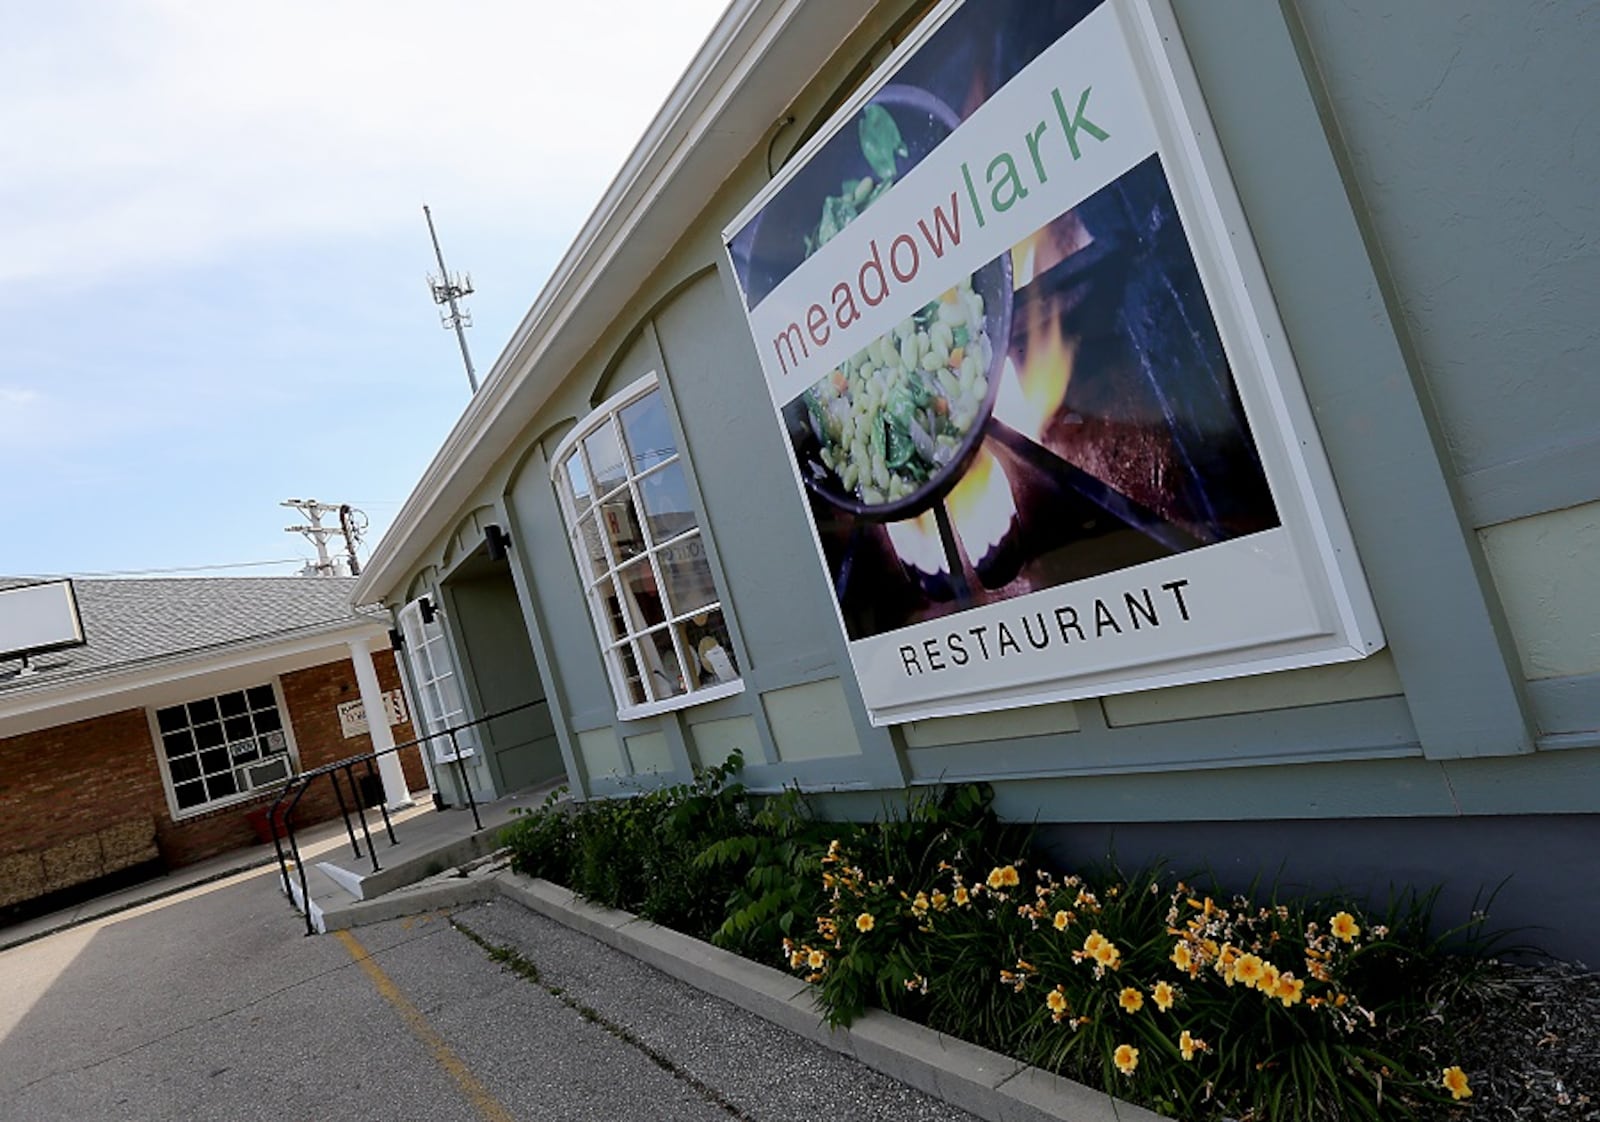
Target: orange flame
[[917, 542], [981, 505], [1028, 399]]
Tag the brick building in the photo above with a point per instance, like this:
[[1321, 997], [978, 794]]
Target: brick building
[[151, 745]]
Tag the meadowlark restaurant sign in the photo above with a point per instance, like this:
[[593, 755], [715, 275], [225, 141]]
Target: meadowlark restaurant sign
[[1050, 438]]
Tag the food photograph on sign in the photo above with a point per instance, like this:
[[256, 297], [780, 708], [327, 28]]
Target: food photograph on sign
[[997, 367], [1065, 411]]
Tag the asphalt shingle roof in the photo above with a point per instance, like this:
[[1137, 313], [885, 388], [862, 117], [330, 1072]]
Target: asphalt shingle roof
[[132, 622]]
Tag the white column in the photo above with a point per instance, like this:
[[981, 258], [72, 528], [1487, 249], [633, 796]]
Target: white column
[[394, 777]]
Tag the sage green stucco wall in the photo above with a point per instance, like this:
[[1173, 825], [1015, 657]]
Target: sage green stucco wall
[[1405, 268]]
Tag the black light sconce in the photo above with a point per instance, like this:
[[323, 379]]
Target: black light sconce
[[397, 638], [429, 612], [496, 542]]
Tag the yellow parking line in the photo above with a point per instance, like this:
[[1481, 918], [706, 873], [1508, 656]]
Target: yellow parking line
[[477, 1094]]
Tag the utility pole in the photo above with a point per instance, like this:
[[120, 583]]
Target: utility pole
[[351, 523], [352, 533], [447, 289]]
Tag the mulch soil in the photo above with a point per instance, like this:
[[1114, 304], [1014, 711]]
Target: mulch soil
[[1528, 1037]]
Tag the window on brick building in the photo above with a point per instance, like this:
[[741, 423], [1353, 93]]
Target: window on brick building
[[218, 749]]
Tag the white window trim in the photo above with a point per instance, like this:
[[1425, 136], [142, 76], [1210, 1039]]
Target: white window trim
[[252, 795], [413, 628], [608, 409]]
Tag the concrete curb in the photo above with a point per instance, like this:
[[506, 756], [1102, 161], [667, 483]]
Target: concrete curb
[[984, 1083], [446, 890]]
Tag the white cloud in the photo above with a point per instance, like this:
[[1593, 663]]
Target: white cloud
[[153, 132]]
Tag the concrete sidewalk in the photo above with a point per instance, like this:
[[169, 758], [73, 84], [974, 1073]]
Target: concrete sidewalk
[[429, 841]]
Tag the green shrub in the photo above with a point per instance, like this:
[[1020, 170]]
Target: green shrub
[[1199, 1004], [540, 840], [637, 853]]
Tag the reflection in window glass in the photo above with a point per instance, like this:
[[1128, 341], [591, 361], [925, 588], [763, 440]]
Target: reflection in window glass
[[612, 600], [640, 554], [590, 551], [605, 458], [665, 495], [631, 676], [578, 482], [640, 594], [666, 671], [620, 523], [688, 576], [648, 433], [710, 649]]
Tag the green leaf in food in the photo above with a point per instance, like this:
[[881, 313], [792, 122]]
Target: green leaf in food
[[901, 404], [901, 447], [819, 415], [837, 213], [880, 141]]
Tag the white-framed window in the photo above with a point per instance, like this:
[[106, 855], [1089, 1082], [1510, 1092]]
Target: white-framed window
[[217, 750], [433, 676], [641, 556]]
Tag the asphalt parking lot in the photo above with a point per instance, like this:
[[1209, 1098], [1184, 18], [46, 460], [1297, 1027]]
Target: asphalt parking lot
[[213, 1004]]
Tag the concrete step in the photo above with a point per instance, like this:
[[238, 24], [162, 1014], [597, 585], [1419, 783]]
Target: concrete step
[[405, 863], [324, 893]]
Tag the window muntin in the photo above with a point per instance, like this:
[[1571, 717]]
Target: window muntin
[[216, 749], [433, 677], [637, 541]]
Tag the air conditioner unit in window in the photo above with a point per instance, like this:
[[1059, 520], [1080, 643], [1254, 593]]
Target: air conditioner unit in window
[[272, 771]]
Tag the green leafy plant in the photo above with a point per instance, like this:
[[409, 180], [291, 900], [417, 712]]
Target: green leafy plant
[[775, 865], [1262, 1006], [540, 840]]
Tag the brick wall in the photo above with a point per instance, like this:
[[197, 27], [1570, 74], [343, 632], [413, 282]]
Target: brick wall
[[64, 786]]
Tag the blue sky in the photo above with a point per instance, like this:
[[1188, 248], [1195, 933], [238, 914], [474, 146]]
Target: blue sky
[[212, 249]]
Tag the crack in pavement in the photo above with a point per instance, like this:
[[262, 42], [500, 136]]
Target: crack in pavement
[[512, 961]]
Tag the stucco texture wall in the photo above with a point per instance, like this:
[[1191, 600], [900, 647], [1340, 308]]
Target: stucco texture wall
[[1471, 147]]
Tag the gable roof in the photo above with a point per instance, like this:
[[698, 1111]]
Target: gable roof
[[135, 623]]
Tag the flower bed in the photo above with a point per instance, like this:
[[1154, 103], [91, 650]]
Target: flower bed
[[1197, 1004]]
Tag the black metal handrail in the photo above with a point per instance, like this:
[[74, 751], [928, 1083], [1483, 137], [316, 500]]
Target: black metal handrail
[[295, 787]]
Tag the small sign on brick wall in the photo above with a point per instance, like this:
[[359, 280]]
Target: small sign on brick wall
[[353, 715]]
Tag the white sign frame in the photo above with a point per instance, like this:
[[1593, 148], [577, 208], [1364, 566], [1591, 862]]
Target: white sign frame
[[1290, 597], [40, 618], [353, 714]]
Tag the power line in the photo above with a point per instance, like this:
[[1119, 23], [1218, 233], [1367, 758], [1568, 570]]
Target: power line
[[182, 569]]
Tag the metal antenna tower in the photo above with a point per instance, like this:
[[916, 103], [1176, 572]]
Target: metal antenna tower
[[447, 288]]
